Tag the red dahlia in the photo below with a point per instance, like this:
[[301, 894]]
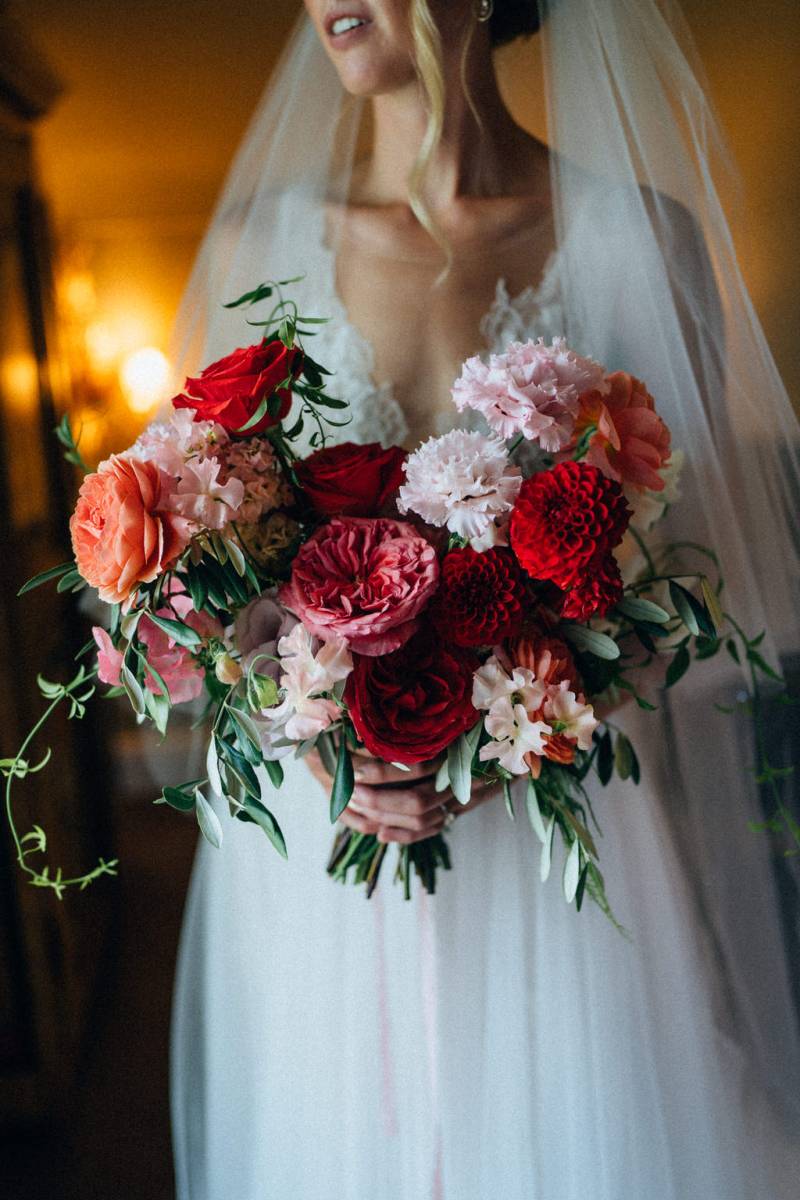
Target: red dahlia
[[409, 705], [480, 596], [598, 591], [566, 518]]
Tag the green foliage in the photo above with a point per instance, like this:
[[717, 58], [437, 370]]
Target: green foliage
[[63, 569], [589, 641], [343, 780], [76, 695], [72, 454]]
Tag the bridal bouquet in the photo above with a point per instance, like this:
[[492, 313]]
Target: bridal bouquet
[[442, 606]]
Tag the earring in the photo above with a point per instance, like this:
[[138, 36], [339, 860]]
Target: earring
[[484, 10]]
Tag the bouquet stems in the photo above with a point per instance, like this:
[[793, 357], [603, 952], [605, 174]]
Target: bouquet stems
[[362, 856]]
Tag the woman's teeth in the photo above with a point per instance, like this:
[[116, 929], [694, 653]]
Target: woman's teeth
[[345, 24]]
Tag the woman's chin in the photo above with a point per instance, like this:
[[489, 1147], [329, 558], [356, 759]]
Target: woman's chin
[[362, 75]]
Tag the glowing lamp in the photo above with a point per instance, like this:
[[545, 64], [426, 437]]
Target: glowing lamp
[[144, 376]]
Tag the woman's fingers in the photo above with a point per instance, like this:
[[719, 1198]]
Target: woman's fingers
[[405, 837], [408, 807], [372, 771], [357, 821]]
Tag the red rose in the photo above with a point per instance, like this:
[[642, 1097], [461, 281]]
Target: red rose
[[408, 706], [480, 596], [598, 591], [351, 480], [565, 519], [230, 391]]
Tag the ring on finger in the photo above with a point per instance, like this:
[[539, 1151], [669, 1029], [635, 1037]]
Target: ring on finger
[[449, 818]]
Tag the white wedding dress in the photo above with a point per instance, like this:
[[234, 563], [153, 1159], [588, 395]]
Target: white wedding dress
[[487, 1043]]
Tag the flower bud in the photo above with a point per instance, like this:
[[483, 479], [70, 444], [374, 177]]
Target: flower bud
[[227, 670]]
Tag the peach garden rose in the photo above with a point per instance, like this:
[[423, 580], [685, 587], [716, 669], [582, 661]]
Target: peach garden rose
[[121, 534]]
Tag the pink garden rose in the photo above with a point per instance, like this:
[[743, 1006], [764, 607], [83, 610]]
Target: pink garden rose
[[362, 580]]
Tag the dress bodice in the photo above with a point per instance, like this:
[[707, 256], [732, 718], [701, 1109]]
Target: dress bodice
[[375, 412]]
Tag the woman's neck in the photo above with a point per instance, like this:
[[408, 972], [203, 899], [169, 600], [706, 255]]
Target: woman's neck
[[472, 159]]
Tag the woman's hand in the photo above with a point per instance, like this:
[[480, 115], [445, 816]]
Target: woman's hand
[[396, 805]]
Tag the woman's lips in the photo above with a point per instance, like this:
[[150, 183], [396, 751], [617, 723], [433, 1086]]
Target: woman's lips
[[345, 30]]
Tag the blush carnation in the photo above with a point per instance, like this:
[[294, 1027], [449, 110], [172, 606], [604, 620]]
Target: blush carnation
[[464, 481], [364, 581], [122, 532], [565, 519], [480, 597], [532, 389]]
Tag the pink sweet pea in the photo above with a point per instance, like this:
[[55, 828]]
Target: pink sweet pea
[[200, 496], [109, 659]]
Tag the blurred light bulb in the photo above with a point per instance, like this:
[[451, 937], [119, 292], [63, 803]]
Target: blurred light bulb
[[144, 375], [102, 345], [19, 380], [79, 294]]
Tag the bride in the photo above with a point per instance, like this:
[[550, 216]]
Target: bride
[[486, 1042]]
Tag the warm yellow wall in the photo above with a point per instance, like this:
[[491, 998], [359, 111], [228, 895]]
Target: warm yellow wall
[[159, 95]]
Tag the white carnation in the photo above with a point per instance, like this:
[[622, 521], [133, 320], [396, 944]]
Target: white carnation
[[464, 481]]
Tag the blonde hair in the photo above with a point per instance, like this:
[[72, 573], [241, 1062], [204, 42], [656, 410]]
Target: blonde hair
[[430, 68]]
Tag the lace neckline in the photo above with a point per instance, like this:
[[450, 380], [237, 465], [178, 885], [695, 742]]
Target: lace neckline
[[533, 310]]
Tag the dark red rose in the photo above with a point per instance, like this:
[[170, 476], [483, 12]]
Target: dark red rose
[[408, 706], [230, 391], [566, 518], [351, 480], [480, 598], [598, 591]]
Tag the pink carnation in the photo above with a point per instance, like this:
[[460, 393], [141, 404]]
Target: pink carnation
[[532, 389], [362, 580]]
